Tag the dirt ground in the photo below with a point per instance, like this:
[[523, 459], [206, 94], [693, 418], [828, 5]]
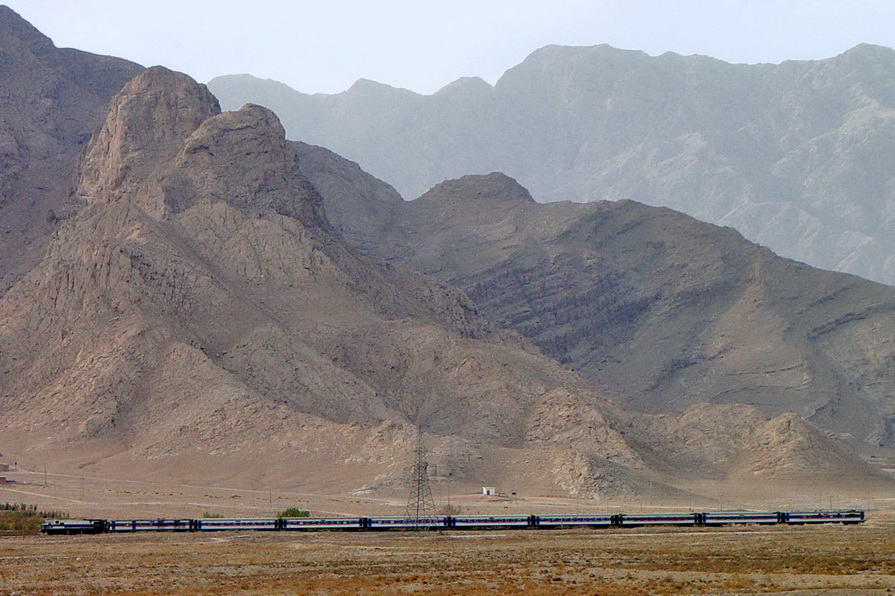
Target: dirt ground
[[794, 560], [122, 496]]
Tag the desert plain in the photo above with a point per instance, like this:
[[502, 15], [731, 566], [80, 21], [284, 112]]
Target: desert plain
[[790, 560], [805, 560]]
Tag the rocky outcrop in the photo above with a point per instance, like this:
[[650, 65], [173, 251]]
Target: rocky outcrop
[[147, 124], [737, 443], [796, 156]]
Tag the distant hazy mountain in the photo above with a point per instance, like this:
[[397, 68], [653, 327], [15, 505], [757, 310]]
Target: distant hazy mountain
[[799, 157], [659, 309]]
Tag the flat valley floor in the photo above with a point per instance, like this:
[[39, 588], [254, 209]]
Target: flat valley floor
[[803, 560], [787, 559]]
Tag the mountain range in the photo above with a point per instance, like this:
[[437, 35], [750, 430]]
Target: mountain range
[[198, 301], [796, 156]]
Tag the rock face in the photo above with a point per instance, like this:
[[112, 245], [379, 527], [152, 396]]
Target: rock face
[[51, 100], [795, 156], [659, 310], [358, 205]]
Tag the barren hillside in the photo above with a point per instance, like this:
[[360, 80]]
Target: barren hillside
[[660, 310]]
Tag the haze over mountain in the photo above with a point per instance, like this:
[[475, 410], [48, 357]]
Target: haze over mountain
[[659, 309], [797, 156], [195, 315]]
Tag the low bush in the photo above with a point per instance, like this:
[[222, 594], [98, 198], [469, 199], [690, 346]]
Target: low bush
[[19, 518]]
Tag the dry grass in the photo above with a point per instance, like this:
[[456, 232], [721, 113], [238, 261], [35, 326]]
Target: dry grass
[[624, 562]]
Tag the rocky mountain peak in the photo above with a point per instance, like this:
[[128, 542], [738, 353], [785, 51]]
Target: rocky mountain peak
[[243, 156], [475, 86], [869, 52], [51, 100], [362, 86], [485, 190], [146, 124], [17, 32], [166, 145]]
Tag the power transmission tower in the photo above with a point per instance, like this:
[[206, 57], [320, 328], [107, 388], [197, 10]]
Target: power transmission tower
[[420, 506]]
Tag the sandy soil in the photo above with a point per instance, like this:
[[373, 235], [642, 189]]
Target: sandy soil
[[796, 560], [111, 494]]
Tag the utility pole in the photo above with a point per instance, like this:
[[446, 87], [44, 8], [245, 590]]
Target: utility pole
[[420, 504]]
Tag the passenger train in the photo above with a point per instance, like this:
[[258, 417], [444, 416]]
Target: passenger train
[[451, 522]]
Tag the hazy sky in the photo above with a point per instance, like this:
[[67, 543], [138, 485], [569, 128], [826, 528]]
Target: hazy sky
[[325, 45]]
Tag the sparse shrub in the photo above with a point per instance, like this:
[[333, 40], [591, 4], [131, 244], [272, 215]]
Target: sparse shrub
[[208, 515], [19, 518], [293, 512]]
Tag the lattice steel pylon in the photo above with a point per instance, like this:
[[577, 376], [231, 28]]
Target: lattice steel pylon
[[420, 505]]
